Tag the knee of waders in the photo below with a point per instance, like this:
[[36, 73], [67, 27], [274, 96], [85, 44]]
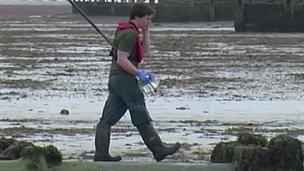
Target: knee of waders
[[103, 124], [109, 120], [139, 115], [143, 127]]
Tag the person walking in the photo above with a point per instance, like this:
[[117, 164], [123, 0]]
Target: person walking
[[132, 40]]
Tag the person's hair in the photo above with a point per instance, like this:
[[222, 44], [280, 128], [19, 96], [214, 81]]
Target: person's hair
[[141, 10]]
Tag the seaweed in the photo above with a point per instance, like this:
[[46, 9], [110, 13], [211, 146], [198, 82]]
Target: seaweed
[[253, 152], [35, 155]]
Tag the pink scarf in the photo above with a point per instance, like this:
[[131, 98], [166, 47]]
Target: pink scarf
[[139, 45]]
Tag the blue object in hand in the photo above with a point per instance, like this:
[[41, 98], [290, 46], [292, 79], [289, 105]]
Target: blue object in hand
[[145, 77]]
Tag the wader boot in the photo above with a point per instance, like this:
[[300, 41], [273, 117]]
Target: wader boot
[[154, 143], [102, 144]]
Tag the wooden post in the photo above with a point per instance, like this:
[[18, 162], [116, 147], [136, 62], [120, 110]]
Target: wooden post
[[188, 10], [212, 10], [239, 3], [289, 6], [292, 8]]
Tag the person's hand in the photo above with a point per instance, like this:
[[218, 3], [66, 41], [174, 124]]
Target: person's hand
[[145, 77], [145, 29]]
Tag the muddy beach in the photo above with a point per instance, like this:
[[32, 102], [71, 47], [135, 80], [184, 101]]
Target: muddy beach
[[214, 83]]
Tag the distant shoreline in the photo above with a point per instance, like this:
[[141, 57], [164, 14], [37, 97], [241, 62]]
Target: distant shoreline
[[29, 9], [24, 2]]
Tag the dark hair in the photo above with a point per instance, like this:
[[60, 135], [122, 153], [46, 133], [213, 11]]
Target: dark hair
[[141, 10]]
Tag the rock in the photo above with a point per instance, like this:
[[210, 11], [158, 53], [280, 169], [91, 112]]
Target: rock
[[252, 152], [5, 143], [246, 138], [32, 152], [251, 158], [38, 158], [64, 112], [286, 153], [14, 150], [182, 108], [34, 155], [52, 155], [223, 152]]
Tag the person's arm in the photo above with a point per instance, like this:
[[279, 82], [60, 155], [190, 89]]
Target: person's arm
[[124, 62], [146, 40], [125, 47]]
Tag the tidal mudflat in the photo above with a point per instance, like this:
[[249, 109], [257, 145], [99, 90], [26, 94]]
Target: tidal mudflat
[[214, 83]]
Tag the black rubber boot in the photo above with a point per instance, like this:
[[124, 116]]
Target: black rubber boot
[[154, 143], [102, 144]]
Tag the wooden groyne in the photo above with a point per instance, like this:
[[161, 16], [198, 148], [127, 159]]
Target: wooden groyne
[[167, 10], [269, 15]]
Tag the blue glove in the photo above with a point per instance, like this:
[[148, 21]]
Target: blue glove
[[144, 77]]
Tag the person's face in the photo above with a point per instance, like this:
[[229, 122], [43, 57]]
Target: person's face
[[145, 21]]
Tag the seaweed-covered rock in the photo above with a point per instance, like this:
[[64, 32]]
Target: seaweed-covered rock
[[286, 153], [40, 156], [35, 158], [32, 152], [52, 155], [251, 158], [5, 143], [15, 149], [253, 153], [246, 138], [36, 164], [223, 152]]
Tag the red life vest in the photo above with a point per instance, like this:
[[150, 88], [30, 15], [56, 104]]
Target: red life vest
[[139, 44]]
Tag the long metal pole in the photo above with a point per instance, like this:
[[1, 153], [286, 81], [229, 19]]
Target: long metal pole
[[87, 18]]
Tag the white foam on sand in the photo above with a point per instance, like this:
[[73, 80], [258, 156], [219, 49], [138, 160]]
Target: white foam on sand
[[161, 108]]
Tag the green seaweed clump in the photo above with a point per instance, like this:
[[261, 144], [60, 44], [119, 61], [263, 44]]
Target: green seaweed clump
[[12, 149], [254, 153], [32, 152], [15, 149], [246, 138], [52, 155], [34, 156], [5, 143], [251, 158], [223, 152], [286, 152]]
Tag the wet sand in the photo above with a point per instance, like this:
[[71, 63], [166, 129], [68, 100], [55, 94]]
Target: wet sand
[[214, 83]]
